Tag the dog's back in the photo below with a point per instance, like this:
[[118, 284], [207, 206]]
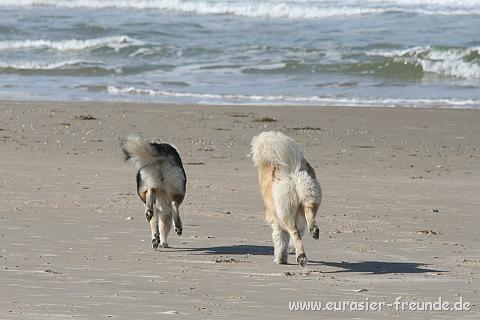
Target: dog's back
[[277, 149], [165, 173], [158, 165], [279, 154]]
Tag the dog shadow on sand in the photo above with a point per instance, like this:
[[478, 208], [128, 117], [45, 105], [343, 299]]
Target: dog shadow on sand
[[365, 267], [375, 267], [240, 249]]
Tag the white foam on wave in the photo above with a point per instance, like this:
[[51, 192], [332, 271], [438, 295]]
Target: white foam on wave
[[306, 9], [117, 43], [455, 68], [59, 65], [32, 65], [440, 3], [447, 62], [299, 100], [298, 9], [432, 7], [142, 52], [270, 67]]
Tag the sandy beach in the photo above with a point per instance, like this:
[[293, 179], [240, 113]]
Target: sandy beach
[[399, 218]]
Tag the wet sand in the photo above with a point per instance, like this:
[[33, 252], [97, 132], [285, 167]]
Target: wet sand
[[400, 214]]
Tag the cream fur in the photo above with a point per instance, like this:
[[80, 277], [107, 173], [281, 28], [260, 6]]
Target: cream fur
[[141, 151], [275, 148], [291, 192]]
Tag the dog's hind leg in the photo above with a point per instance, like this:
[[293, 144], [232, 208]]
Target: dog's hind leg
[[165, 225], [165, 218], [280, 244], [310, 214], [301, 223], [297, 241], [152, 216], [150, 199], [155, 231], [286, 209], [177, 222]]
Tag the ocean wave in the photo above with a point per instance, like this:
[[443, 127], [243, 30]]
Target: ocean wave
[[116, 43], [61, 68], [389, 68], [299, 100], [257, 9], [385, 67], [40, 65], [441, 3], [295, 9], [453, 62]]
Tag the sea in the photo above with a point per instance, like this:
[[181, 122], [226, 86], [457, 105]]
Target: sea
[[391, 53]]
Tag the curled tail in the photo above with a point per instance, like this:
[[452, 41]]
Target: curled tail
[[275, 148], [295, 184], [137, 150]]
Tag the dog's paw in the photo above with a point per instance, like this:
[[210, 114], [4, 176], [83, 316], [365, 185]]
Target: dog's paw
[[164, 244], [155, 243], [302, 259], [280, 261], [149, 215], [315, 233], [179, 230]]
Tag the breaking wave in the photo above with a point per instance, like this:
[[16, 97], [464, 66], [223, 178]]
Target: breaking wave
[[298, 100], [116, 43], [295, 9], [452, 62], [66, 68]]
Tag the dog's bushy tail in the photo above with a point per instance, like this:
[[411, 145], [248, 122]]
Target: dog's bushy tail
[[275, 148], [137, 150]]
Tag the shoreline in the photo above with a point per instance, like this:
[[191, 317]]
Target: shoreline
[[240, 105], [399, 215]]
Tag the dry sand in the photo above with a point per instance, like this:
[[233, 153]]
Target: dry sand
[[400, 215]]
